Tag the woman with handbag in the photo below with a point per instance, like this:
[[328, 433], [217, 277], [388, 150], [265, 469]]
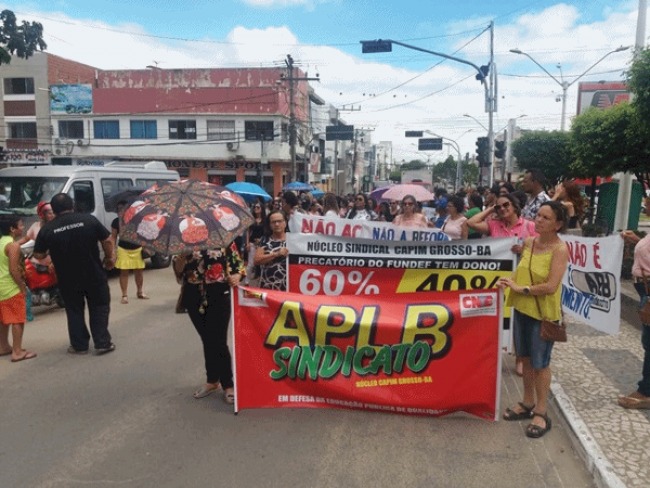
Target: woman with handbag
[[208, 277], [535, 295], [640, 399]]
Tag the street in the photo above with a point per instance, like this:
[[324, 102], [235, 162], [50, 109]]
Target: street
[[128, 419]]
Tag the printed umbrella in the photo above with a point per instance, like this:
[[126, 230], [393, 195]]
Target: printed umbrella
[[249, 191], [184, 216], [298, 186], [128, 194], [397, 192]]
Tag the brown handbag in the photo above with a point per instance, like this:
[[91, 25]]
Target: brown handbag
[[644, 312], [549, 331]]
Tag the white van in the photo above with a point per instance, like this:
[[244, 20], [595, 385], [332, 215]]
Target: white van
[[22, 188]]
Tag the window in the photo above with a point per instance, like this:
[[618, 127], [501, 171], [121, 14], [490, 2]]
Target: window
[[22, 130], [182, 129], [111, 186], [71, 129], [19, 86], [221, 130], [83, 195], [106, 129], [148, 183], [144, 129], [258, 130]]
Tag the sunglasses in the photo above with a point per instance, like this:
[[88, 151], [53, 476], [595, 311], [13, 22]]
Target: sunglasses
[[502, 206]]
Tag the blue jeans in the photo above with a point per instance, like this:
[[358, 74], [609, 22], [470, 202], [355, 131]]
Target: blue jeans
[[528, 343], [644, 383]]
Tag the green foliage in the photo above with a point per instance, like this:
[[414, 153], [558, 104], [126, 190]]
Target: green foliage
[[445, 170], [638, 78], [21, 40], [549, 152], [414, 164]]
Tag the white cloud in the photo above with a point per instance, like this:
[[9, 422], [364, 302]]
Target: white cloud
[[557, 34]]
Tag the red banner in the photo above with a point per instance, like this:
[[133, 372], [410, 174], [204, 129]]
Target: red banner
[[424, 354]]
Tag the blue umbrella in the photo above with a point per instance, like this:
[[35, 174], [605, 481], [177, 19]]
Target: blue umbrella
[[317, 192], [249, 191], [298, 186]]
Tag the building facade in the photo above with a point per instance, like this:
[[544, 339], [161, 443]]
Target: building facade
[[217, 125]]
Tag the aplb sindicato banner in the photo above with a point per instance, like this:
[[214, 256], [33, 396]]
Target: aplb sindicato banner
[[417, 355], [362, 229], [591, 287]]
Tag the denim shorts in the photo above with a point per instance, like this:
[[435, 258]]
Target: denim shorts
[[528, 343]]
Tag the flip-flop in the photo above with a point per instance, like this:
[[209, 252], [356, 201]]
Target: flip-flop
[[142, 296], [204, 391], [27, 355], [634, 403], [229, 397]]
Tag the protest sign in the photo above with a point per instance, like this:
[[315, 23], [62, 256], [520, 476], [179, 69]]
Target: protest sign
[[591, 286], [425, 354]]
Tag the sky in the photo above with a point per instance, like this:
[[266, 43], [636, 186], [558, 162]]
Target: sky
[[384, 94]]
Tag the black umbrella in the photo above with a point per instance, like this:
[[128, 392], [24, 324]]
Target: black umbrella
[[127, 195]]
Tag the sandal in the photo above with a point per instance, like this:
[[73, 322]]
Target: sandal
[[125, 299], [205, 390], [142, 296], [535, 431], [526, 414], [635, 401], [229, 397]]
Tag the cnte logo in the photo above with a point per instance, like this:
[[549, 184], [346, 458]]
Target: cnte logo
[[477, 301]]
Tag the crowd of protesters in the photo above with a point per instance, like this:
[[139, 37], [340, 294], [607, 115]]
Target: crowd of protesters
[[527, 211]]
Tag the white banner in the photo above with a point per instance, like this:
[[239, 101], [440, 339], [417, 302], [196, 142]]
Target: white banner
[[362, 229], [591, 287]]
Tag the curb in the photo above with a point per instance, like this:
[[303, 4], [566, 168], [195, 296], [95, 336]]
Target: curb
[[596, 462]]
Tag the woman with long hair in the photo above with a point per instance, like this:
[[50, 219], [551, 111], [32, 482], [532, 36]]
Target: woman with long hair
[[568, 193], [410, 216], [253, 236], [271, 254], [330, 205], [361, 209], [535, 295]]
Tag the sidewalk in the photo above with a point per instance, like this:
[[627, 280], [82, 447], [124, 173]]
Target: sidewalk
[[589, 372]]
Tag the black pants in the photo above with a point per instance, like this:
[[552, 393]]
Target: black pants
[[212, 327], [98, 297]]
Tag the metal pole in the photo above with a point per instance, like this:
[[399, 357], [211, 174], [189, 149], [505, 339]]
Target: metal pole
[[625, 184], [292, 119], [490, 107], [565, 87]]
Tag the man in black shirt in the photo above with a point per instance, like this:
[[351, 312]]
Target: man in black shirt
[[71, 239]]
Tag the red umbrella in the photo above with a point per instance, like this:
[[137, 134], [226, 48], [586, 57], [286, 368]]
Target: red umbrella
[[185, 216]]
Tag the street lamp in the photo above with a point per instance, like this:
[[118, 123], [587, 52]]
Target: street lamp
[[565, 84], [486, 74], [459, 168]]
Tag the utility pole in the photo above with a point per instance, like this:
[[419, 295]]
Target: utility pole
[[625, 184], [293, 136], [337, 183], [491, 107]]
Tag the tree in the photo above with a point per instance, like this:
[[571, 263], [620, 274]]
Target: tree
[[638, 78], [413, 164], [611, 140], [549, 152], [20, 40]]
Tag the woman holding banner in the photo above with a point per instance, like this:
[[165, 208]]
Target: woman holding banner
[[535, 295]]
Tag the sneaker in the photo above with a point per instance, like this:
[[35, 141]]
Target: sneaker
[[72, 350], [103, 350]]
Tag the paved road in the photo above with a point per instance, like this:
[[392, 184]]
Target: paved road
[[127, 419]]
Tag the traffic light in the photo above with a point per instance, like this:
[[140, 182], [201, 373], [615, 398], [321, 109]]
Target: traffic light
[[482, 149], [499, 149]]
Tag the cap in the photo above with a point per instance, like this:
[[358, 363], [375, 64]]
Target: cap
[[42, 207]]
